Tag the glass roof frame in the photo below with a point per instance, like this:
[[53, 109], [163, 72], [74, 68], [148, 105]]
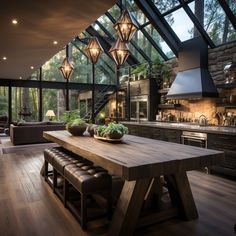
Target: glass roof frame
[[184, 5], [145, 33], [134, 44], [99, 66]]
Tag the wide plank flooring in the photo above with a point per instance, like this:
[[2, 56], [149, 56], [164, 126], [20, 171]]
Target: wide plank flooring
[[28, 206]]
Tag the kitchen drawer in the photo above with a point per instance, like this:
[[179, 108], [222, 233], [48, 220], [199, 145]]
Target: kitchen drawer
[[170, 135], [221, 142], [145, 132], [157, 134], [133, 129]]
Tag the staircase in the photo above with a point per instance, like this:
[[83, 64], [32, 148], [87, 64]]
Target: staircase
[[101, 99]]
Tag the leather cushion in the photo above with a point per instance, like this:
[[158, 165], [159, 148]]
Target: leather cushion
[[88, 178]]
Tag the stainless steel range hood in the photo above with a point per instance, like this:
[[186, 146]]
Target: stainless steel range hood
[[193, 81]]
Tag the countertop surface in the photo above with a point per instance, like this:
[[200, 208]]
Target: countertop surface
[[186, 126]]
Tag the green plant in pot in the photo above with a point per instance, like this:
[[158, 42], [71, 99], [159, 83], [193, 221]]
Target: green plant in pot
[[113, 131], [75, 125]]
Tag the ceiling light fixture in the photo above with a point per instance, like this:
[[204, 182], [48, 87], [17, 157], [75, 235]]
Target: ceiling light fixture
[[55, 42], [93, 50], [66, 69], [119, 52], [14, 21], [4, 58], [20, 77], [31, 67], [125, 26]]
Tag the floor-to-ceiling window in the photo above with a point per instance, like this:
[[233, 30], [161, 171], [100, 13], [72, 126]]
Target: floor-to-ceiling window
[[25, 106]]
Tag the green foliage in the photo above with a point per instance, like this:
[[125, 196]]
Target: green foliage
[[112, 128], [71, 116], [100, 130], [77, 121]]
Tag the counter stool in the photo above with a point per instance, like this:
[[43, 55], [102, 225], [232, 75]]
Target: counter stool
[[87, 180]]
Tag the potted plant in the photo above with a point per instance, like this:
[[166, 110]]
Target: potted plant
[[112, 131], [75, 125]]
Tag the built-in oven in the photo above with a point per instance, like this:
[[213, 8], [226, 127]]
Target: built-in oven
[[194, 139]]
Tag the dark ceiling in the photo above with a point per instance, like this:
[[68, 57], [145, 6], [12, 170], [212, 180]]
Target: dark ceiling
[[30, 42]]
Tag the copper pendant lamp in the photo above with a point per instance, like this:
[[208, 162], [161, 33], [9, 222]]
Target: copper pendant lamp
[[93, 50], [66, 68], [125, 26], [119, 52]]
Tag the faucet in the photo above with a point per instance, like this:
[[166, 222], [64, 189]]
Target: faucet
[[202, 120]]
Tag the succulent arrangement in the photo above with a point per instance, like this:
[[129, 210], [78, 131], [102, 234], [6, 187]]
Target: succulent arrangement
[[112, 131]]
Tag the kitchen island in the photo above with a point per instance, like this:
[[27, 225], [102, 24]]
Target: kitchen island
[[141, 162], [221, 138]]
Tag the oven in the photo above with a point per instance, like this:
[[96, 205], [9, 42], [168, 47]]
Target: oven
[[194, 139]]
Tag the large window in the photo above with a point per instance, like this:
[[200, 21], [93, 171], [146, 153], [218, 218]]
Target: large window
[[25, 104], [54, 99], [3, 100], [51, 70], [214, 20]]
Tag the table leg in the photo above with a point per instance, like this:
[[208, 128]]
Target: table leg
[[181, 194], [42, 169], [128, 207]]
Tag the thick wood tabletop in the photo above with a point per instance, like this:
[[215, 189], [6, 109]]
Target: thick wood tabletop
[[137, 157]]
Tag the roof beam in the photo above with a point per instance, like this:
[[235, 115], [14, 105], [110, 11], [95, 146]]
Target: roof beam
[[228, 12], [106, 45], [144, 55], [147, 35], [99, 66], [197, 24], [159, 23]]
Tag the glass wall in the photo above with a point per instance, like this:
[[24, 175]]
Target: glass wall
[[50, 70], [54, 99], [25, 106], [214, 20], [3, 100]]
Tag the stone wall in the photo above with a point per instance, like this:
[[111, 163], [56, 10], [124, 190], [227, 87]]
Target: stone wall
[[218, 58]]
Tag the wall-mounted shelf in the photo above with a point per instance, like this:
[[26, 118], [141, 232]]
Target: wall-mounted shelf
[[169, 106]]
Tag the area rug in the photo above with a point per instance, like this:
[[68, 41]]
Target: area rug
[[22, 148]]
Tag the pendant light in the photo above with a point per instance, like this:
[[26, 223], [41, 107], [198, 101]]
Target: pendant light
[[125, 26], [119, 52], [66, 68], [93, 50]]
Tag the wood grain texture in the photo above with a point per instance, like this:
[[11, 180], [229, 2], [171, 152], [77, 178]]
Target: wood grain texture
[[137, 157], [22, 215]]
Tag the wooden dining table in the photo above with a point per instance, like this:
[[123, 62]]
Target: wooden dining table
[[148, 166]]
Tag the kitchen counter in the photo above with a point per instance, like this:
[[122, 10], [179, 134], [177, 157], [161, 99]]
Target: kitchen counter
[[186, 126]]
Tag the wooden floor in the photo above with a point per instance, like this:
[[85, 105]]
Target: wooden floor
[[28, 206]]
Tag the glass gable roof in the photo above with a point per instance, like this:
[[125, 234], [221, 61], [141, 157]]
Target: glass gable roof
[[163, 24]]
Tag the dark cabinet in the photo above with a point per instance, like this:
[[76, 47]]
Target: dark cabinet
[[171, 135], [226, 143], [168, 135]]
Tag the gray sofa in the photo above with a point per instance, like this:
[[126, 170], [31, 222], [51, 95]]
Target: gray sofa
[[32, 132]]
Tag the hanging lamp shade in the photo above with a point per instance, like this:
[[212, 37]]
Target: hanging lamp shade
[[66, 68], [119, 52], [125, 26], [93, 50]]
